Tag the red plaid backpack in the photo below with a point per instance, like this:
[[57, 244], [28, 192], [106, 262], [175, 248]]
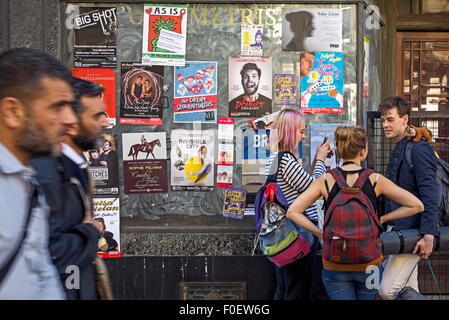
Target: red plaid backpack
[[351, 225]]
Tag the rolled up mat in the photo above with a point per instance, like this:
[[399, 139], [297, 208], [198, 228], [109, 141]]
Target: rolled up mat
[[404, 241]]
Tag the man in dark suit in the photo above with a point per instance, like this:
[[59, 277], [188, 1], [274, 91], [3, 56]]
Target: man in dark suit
[[250, 103], [73, 232]]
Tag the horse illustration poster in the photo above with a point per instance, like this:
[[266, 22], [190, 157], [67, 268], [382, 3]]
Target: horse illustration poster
[[195, 92], [141, 91], [103, 166], [164, 34], [145, 162], [105, 77], [322, 85], [250, 86], [95, 37], [192, 160], [107, 212]]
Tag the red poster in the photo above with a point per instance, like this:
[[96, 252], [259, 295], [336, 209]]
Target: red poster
[[106, 78]]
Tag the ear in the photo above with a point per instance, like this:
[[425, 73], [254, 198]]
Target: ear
[[12, 112]]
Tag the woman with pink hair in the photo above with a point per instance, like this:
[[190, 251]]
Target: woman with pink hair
[[298, 280]]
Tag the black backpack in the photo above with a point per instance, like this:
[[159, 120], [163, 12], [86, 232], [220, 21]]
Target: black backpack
[[442, 177]]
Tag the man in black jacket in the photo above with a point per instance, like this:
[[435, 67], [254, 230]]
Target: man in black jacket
[[420, 181], [73, 232]]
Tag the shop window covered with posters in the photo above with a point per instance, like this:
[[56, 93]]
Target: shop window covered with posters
[[190, 92]]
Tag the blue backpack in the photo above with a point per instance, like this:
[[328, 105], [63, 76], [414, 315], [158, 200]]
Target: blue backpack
[[280, 239], [442, 177]]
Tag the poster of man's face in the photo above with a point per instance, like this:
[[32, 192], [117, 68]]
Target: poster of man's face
[[250, 86]]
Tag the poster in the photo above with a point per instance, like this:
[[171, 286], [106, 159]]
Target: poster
[[224, 175], [95, 37], [225, 166], [141, 93], [234, 203], [103, 166], [252, 40], [105, 77], [192, 160], [312, 30], [285, 89], [195, 92], [255, 156], [164, 34], [366, 67], [263, 122], [250, 86], [226, 129], [107, 212], [318, 131], [145, 162], [322, 87]]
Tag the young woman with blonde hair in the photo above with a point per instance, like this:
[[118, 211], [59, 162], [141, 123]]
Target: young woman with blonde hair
[[349, 281], [297, 280]]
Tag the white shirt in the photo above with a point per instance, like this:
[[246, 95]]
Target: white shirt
[[33, 275]]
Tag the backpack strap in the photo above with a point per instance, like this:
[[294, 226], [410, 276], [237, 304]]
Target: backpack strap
[[273, 174], [339, 179], [408, 153], [363, 176]]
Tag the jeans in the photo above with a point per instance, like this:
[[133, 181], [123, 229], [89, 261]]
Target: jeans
[[349, 285]]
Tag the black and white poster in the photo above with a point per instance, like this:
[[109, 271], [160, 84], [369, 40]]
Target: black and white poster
[[312, 30], [95, 37]]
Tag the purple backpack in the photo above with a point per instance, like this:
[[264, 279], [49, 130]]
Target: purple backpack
[[280, 239]]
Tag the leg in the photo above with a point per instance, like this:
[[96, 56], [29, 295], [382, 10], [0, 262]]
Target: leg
[[396, 272], [339, 285], [366, 289]]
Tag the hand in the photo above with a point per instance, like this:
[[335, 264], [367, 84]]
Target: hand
[[93, 222], [332, 93], [424, 246], [103, 163], [322, 150], [320, 235]]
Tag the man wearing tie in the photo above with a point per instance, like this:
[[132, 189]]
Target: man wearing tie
[[73, 232]]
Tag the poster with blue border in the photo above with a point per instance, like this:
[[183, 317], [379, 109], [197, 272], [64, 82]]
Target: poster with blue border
[[254, 158], [322, 87], [318, 131], [195, 92]]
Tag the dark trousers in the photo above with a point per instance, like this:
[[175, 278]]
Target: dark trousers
[[301, 280]]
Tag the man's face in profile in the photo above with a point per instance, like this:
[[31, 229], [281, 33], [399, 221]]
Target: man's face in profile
[[250, 82]]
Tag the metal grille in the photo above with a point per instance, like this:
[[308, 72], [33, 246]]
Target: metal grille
[[440, 133]]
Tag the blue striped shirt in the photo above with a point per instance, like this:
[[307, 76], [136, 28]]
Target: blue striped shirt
[[294, 180]]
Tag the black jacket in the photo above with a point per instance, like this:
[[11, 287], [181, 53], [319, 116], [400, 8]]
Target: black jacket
[[71, 242], [420, 181]]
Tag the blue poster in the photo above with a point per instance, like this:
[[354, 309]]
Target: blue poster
[[318, 131], [322, 84], [254, 157], [195, 96]]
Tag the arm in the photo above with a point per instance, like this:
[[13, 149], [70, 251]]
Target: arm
[[321, 153], [296, 210], [295, 175], [424, 165], [206, 162], [410, 204]]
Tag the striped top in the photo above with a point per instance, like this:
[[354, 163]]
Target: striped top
[[294, 180]]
